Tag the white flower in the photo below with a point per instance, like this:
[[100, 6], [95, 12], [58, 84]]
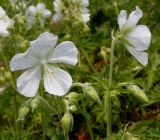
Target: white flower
[[4, 23], [41, 60], [77, 7], [39, 11], [84, 11], [58, 16], [138, 37]]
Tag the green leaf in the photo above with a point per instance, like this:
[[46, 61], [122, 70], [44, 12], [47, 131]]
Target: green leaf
[[154, 133]]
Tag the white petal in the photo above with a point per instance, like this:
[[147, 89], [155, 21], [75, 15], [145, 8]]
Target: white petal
[[28, 82], [4, 33], [57, 17], [21, 61], [2, 12], [4, 23], [122, 18], [133, 18], [141, 56], [46, 13], [84, 10], [31, 20], [65, 52], [56, 81], [140, 37], [40, 6], [42, 45], [57, 5], [31, 11], [86, 17], [85, 3]]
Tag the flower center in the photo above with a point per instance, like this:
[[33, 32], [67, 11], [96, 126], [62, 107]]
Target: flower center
[[2, 17], [43, 62]]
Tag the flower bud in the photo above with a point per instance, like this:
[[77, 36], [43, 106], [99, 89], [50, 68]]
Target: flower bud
[[2, 80], [23, 112], [73, 97], [91, 92], [137, 92], [73, 108], [67, 36], [21, 20], [103, 54], [86, 29], [2, 69], [23, 45], [8, 75], [34, 103], [67, 122]]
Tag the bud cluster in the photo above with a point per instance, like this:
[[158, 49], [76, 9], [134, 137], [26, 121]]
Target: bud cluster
[[4, 76]]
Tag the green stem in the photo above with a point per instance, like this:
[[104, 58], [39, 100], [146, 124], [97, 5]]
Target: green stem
[[89, 125], [17, 134], [66, 136], [16, 116], [57, 105], [42, 95], [109, 124], [41, 89], [111, 62], [90, 130]]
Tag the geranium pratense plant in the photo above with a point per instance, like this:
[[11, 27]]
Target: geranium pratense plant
[[5, 22], [40, 60], [136, 39], [39, 12]]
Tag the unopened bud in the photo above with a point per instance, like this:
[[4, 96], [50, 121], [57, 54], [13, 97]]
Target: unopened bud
[[138, 93], [2, 80], [8, 75], [34, 103], [67, 122], [2, 69], [91, 92], [67, 36], [86, 29], [73, 108], [21, 20], [73, 97], [23, 44], [23, 112], [103, 54]]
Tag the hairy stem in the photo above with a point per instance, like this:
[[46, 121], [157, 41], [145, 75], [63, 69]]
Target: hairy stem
[[108, 100], [89, 125], [17, 135]]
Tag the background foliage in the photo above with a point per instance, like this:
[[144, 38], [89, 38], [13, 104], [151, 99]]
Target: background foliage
[[132, 117]]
